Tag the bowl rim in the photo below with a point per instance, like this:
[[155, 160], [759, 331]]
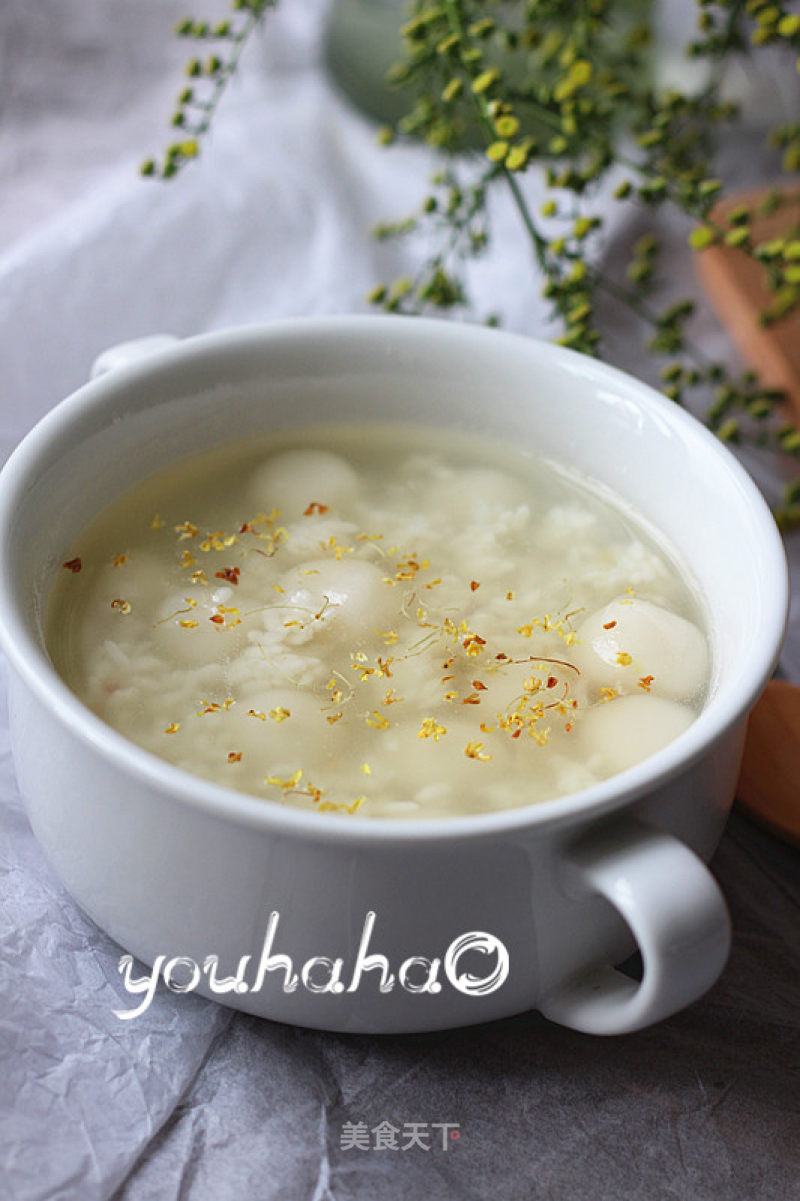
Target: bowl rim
[[29, 660]]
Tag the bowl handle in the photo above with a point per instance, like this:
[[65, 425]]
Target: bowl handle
[[125, 353], [676, 913]]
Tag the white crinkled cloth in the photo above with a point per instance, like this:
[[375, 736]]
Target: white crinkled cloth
[[190, 1101]]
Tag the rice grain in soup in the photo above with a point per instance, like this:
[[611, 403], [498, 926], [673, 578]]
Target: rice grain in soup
[[379, 620]]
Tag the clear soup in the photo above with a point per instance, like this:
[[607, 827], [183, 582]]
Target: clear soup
[[380, 620]]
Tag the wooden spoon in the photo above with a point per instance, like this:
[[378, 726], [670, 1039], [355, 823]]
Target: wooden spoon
[[769, 783], [734, 283]]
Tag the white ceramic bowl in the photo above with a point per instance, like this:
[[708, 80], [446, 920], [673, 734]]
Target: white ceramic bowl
[[173, 866]]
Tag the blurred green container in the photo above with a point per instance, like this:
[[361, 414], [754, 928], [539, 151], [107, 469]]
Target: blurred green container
[[363, 41]]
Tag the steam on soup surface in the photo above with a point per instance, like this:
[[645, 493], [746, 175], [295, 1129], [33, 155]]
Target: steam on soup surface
[[379, 620]]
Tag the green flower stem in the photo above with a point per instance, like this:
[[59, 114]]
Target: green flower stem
[[642, 310], [538, 241], [228, 69], [546, 117]]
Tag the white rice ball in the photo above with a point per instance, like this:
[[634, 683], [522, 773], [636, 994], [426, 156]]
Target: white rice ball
[[295, 479], [616, 734], [631, 639]]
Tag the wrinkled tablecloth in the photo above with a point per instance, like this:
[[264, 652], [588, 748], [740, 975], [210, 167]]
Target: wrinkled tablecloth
[[191, 1101]]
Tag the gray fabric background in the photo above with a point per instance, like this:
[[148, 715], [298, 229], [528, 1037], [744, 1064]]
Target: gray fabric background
[[190, 1101]]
